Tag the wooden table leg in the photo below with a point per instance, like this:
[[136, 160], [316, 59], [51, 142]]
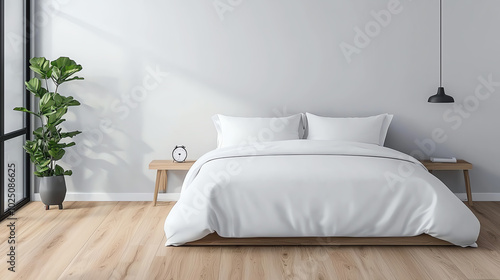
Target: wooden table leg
[[467, 187], [157, 185], [163, 184]]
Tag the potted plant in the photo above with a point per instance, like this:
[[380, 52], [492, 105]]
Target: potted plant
[[48, 144]]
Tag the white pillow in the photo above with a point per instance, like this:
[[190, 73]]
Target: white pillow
[[371, 130], [234, 131]]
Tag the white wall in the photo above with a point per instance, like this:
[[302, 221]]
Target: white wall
[[264, 55]]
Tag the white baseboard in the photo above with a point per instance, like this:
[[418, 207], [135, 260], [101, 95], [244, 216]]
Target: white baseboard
[[115, 197], [480, 196], [175, 196]]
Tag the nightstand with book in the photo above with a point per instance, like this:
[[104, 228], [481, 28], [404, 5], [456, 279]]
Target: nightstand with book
[[452, 164]]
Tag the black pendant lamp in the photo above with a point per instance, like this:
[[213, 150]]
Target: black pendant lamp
[[440, 96]]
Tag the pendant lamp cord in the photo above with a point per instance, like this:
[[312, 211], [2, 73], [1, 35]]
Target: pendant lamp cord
[[440, 43]]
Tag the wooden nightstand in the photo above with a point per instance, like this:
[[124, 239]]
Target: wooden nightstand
[[162, 166], [459, 165]]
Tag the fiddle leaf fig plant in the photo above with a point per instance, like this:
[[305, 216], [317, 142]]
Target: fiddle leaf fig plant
[[48, 146]]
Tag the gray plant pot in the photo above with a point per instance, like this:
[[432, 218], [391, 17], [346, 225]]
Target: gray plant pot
[[52, 191]]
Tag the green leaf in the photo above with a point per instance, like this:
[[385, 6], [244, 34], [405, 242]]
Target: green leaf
[[56, 123], [65, 69], [45, 99], [53, 131], [58, 99], [74, 103], [56, 73], [47, 105], [71, 144], [68, 172], [41, 66], [74, 78], [40, 168], [57, 154], [48, 112], [61, 112], [45, 162], [42, 92], [52, 142], [70, 70], [70, 134], [58, 170], [38, 132], [54, 115], [21, 109], [34, 146], [34, 85], [62, 62]]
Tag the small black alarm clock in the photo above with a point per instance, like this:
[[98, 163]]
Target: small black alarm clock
[[179, 154]]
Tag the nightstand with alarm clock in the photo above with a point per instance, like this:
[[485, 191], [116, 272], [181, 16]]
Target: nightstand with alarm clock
[[179, 156]]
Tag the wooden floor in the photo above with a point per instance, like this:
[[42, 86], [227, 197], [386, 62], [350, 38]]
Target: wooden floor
[[125, 240]]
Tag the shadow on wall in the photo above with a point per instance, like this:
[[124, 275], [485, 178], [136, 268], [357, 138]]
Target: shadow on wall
[[109, 153]]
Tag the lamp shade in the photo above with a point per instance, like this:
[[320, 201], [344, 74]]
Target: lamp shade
[[441, 97]]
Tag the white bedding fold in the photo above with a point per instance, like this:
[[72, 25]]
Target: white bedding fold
[[316, 188]]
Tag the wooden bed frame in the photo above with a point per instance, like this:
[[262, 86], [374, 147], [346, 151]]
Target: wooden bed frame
[[420, 240]]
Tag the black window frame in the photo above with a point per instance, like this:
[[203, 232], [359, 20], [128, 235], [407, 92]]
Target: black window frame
[[26, 131]]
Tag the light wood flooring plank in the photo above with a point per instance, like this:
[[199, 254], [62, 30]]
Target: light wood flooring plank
[[434, 263], [139, 253], [47, 260], [185, 263], [248, 262], [311, 262], [400, 264], [343, 262], [102, 252]]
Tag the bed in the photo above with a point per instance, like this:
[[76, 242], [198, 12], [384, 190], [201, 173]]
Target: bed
[[308, 191]]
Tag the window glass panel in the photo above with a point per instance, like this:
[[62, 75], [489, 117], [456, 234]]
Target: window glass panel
[[14, 171], [13, 68]]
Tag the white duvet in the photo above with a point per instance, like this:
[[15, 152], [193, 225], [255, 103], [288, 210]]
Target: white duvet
[[316, 188]]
